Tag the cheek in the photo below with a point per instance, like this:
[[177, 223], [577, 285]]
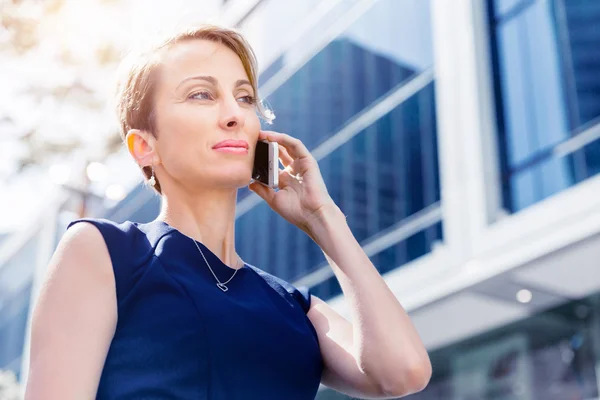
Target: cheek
[[190, 119], [183, 117], [253, 123]]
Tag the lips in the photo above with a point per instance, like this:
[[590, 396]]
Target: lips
[[240, 144]]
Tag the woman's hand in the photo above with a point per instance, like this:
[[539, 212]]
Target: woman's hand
[[302, 197]]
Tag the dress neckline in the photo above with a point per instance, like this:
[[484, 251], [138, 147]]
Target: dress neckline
[[211, 257]]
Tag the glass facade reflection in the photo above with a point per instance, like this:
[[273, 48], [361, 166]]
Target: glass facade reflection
[[284, 20], [386, 260], [381, 175], [339, 82], [547, 77], [373, 56]]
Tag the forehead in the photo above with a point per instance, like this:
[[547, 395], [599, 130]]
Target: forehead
[[200, 57]]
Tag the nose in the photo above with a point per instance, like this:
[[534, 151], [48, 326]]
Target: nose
[[232, 115]]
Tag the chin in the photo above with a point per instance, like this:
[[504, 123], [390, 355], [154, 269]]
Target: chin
[[235, 179]]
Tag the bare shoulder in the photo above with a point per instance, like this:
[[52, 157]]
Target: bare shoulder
[[82, 256], [74, 317], [83, 236]]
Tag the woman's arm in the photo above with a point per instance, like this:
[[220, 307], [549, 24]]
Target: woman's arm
[[380, 354], [74, 319]]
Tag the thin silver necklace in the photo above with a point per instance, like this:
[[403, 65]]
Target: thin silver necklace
[[220, 285]]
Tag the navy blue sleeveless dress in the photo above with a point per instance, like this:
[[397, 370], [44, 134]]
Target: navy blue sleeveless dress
[[179, 336]]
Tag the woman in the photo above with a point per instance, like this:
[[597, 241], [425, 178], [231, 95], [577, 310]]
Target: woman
[[167, 309]]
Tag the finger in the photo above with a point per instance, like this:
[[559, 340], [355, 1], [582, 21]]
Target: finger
[[262, 135], [266, 193], [294, 147], [285, 157], [285, 179], [287, 176]]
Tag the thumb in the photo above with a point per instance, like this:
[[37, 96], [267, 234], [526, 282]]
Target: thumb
[[265, 192]]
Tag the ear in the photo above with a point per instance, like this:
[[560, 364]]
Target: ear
[[142, 147]]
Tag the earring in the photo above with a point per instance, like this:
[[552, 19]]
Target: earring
[[152, 180]]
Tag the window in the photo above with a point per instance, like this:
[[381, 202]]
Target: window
[[379, 172], [547, 79], [383, 175], [380, 51], [384, 48], [270, 24]]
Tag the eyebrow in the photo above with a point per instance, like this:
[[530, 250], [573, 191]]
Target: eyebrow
[[213, 81], [241, 82]]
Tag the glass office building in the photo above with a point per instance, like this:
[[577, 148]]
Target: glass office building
[[364, 102], [461, 140]]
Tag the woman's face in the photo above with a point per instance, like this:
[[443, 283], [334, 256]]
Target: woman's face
[[203, 97]]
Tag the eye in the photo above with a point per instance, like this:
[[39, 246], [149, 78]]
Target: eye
[[248, 99], [203, 95]]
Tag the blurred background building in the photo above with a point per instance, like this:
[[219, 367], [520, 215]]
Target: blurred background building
[[460, 137]]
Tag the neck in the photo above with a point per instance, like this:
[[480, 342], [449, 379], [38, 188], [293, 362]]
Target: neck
[[208, 217]]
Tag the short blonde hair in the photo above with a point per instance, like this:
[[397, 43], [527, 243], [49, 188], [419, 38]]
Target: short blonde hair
[[137, 79]]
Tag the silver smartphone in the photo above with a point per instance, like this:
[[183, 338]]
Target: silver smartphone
[[266, 164]]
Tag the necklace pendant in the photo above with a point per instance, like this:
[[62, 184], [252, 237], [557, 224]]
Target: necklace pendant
[[222, 287]]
